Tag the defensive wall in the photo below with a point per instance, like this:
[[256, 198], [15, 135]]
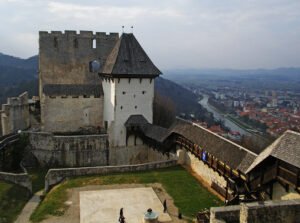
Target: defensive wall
[[15, 114], [87, 150], [210, 176], [258, 212], [54, 176], [69, 151], [21, 179]]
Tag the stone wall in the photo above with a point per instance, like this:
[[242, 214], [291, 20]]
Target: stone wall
[[69, 151], [21, 179], [225, 214], [67, 114], [55, 176], [271, 212], [135, 155], [15, 114], [88, 150], [64, 59], [207, 174], [258, 212]]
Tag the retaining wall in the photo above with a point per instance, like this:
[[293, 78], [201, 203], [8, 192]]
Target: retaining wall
[[69, 151], [287, 211], [54, 176], [21, 179]]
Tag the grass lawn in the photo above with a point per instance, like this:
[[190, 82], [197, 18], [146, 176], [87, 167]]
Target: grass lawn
[[188, 194], [12, 200], [38, 178]]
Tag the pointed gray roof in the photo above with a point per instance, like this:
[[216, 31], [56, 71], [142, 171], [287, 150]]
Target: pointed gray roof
[[128, 59]]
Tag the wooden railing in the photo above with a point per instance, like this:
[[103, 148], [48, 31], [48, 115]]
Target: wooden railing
[[217, 165]]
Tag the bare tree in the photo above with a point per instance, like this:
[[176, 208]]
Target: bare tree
[[163, 111]]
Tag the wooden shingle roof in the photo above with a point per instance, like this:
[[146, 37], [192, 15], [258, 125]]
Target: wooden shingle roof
[[234, 155], [135, 120], [285, 148], [128, 59]]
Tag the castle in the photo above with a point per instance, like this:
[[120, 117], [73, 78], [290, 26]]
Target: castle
[[94, 81], [96, 96]]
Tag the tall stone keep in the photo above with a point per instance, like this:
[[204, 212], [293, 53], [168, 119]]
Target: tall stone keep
[[71, 95], [128, 84]]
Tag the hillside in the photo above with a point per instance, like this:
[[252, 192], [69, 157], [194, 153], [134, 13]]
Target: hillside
[[18, 75], [272, 79]]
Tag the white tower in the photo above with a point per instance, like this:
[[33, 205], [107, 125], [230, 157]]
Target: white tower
[[128, 84]]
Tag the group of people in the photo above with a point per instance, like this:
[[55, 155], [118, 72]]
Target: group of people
[[122, 218]]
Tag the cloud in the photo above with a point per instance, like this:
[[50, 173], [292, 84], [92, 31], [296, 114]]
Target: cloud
[[175, 33], [69, 10]]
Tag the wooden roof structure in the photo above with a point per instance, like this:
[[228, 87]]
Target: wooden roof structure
[[128, 59], [285, 148], [234, 155]]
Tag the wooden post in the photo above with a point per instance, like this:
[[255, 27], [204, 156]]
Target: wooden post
[[297, 179], [226, 194]]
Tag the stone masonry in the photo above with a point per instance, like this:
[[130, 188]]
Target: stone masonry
[[15, 114], [65, 80]]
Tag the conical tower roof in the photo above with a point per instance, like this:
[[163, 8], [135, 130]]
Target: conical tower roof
[[128, 59]]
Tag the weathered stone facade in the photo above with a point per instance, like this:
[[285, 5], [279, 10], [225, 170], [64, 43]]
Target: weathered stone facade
[[15, 114], [69, 151], [64, 60], [55, 176], [200, 168], [67, 114], [87, 150], [258, 212]]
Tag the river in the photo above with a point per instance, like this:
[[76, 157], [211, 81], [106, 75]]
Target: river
[[218, 116]]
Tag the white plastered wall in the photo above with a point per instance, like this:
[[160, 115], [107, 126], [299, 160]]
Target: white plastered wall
[[132, 97], [108, 86]]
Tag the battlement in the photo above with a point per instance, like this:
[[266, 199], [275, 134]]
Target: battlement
[[81, 34]]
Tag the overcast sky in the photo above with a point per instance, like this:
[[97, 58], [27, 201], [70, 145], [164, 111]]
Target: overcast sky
[[174, 33]]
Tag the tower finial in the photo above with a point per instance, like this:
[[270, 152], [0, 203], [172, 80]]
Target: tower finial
[[131, 29], [123, 29]]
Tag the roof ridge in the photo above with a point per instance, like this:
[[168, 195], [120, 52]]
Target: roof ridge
[[227, 140]]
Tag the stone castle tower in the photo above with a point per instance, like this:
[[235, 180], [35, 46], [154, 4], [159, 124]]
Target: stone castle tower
[[71, 95], [74, 96], [128, 84]]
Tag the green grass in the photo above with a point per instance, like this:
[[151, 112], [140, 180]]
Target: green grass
[[12, 200], [188, 194], [38, 178]]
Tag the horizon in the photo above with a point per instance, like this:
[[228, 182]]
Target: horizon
[[190, 69]]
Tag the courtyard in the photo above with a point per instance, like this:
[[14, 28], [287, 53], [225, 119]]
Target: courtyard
[[183, 192]]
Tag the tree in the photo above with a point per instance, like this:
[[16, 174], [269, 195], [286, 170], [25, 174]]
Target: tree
[[163, 111]]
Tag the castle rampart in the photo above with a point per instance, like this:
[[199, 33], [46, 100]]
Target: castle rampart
[[15, 114]]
